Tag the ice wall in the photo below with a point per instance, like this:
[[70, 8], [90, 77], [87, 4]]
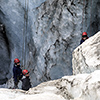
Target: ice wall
[[44, 33]]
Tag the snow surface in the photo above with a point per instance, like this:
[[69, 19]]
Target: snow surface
[[76, 87]]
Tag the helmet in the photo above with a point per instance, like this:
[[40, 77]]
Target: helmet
[[25, 72], [84, 33], [16, 60]]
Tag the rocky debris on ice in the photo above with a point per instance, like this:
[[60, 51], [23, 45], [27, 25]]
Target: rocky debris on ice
[[86, 57], [76, 87]]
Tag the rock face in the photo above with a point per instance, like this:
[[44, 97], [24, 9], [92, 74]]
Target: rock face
[[79, 87], [86, 57], [43, 34]]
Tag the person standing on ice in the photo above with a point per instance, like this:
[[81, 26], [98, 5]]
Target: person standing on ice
[[26, 84], [84, 37], [17, 72]]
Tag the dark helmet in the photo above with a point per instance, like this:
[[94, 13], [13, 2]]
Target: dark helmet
[[16, 60], [25, 72]]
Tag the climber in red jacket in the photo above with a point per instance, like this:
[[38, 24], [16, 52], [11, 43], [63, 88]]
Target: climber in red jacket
[[84, 37]]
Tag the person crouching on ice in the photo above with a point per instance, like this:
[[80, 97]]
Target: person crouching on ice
[[26, 84]]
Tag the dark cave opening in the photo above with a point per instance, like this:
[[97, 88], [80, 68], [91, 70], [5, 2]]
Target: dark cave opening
[[94, 26], [4, 54]]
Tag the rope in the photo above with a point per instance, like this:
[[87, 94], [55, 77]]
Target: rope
[[83, 15], [27, 3], [25, 34], [90, 17]]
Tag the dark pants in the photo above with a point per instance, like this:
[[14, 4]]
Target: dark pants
[[15, 85]]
